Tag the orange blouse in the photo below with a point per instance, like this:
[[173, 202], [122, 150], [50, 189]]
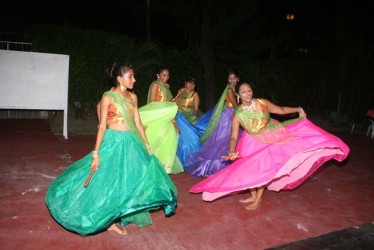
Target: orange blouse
[[114, 116]]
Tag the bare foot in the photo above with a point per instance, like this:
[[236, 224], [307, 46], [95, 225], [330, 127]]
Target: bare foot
[[117, 229], [248, 200], [253, 206]]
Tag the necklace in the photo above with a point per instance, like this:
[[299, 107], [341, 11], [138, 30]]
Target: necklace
[[251, 107]]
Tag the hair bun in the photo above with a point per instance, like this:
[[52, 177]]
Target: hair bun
[[114, 65]]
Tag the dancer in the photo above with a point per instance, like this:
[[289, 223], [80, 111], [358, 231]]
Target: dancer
[[188, 100], [188, 119], [269, 154], [125, 182], [215, 138], [158, 117]]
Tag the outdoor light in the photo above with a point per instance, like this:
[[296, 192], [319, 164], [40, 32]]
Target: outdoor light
[[290, 17]]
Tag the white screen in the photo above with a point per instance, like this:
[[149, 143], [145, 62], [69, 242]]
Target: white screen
[[30, 80]]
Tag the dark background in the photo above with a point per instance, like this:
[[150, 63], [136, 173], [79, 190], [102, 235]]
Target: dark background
[[129, 16], [322, 59]]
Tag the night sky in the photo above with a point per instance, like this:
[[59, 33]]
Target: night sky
[[128, 16]]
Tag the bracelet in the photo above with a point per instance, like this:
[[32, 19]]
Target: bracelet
[[95, 154], [147, 146], [300, 109], [230, 151]]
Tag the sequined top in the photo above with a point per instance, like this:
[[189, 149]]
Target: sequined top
[[186, 105], [122, 110], [185, 99], [114, 114], [163, 93], [254, 122]]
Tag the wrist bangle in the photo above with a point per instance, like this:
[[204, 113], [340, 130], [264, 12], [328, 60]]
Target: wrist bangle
[[147, 146], [230, 151], [95, 154]]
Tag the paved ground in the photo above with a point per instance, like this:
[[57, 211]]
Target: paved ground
[[85, 125], [337, 197]]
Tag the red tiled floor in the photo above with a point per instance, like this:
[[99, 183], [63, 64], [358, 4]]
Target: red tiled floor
[[338, 196]]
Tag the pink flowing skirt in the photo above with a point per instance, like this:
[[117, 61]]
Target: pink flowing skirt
[[279, 166]]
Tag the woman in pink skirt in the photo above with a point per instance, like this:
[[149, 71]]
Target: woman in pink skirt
[[269, 154]]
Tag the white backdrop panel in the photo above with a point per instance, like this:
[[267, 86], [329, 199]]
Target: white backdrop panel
[[31, 80], [37, 81]]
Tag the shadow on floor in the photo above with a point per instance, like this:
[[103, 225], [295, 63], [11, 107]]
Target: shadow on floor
[[357, 237]]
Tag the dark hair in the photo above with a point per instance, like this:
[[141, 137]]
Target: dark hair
[[237, 87], [117, 69], [190, 78], [161, 67], [232, 71]]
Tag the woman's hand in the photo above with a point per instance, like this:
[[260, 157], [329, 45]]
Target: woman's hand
[[194, 119], [95, 163], [176, 127], [302, 113], [148, 149], [231, 156]]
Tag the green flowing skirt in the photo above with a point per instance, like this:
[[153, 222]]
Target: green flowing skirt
[[162, 136], [127, 185]]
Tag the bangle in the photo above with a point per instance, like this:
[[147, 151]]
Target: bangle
[[230, 151], [147, 146], [300, 109], [95, 154]]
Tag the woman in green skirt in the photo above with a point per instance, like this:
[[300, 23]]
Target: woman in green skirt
[[120, 181]]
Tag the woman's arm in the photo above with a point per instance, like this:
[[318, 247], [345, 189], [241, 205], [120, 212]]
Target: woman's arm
[[232, 155], [174, 121], [98, 112], [139, 124], [104, 105], [231, 96], [272, 108], [175, 99], [153, 94], [196, 104]]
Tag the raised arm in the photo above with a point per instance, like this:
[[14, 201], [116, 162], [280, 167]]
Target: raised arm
[[275, 109]]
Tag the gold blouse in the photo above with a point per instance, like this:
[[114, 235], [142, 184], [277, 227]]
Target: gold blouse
[[185, 99], [115, 117], [254, 122], [163, 93]]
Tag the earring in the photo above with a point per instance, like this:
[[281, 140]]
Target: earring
[[237, 99]]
